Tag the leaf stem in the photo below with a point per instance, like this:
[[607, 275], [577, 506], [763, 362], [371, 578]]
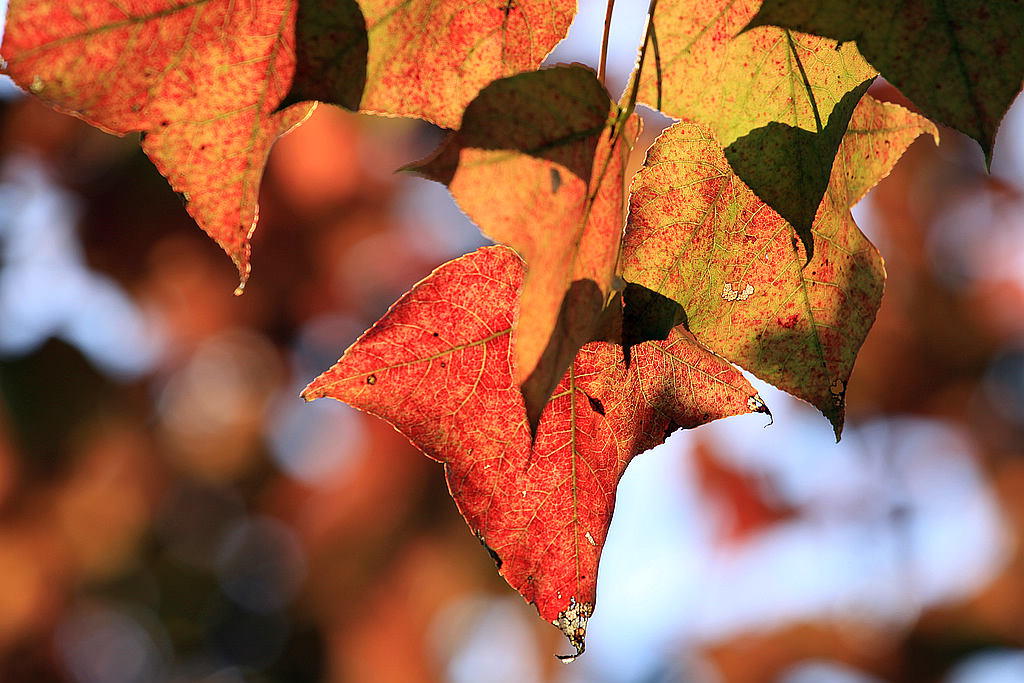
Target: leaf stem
[[657, 61], [630, 104], [602, 65]]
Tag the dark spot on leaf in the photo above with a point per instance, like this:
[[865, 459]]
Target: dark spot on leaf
[[165, 123], [597, 406], [443, 364], [371, 379], [435, 334], [556, 180], [790, 322]]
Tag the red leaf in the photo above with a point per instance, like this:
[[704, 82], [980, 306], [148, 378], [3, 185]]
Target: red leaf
[[438, 366], [200, 79]]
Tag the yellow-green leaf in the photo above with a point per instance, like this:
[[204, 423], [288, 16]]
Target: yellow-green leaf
[[698, 235], [711, 72]]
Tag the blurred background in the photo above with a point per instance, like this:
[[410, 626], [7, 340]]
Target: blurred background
[[171, 511]]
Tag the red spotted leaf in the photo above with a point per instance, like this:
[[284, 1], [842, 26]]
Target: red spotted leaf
[[422, 58], [439, 367], [698, 235], [539, 165], [201, 80]]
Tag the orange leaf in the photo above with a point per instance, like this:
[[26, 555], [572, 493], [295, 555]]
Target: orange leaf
[[539, 165], [438, 366], [201, 80]]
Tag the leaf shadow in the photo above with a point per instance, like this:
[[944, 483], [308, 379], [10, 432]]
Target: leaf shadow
[[789, 168], [578, 317], [331, 47], [557, 114]]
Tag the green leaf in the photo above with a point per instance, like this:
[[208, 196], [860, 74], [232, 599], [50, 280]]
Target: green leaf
[[698, 235], [960, 61]]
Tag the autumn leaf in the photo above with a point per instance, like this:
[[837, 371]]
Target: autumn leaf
[[961, 62], [200, 80], [768, 80], [539, 164], [699, 236], [422, 58], [439, 367]]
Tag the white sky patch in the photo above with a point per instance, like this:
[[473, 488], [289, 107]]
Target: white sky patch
[[47, 290]]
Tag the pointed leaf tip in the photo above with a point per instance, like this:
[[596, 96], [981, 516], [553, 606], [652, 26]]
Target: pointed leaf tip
[[789, 168], [209, 136]]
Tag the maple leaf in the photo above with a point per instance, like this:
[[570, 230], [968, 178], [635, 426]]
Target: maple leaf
[[422, 58], [961, 61], [538, 163], [201, 80], [766, 80], [699, 236], [438, 366]]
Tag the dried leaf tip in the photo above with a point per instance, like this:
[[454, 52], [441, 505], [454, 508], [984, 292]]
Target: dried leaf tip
[[756, 404], [573, 623]]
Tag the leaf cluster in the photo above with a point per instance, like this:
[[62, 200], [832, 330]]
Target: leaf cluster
[[615, 309]]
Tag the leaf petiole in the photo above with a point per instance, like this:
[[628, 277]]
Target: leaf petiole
[[629, 104], [603, 63]]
